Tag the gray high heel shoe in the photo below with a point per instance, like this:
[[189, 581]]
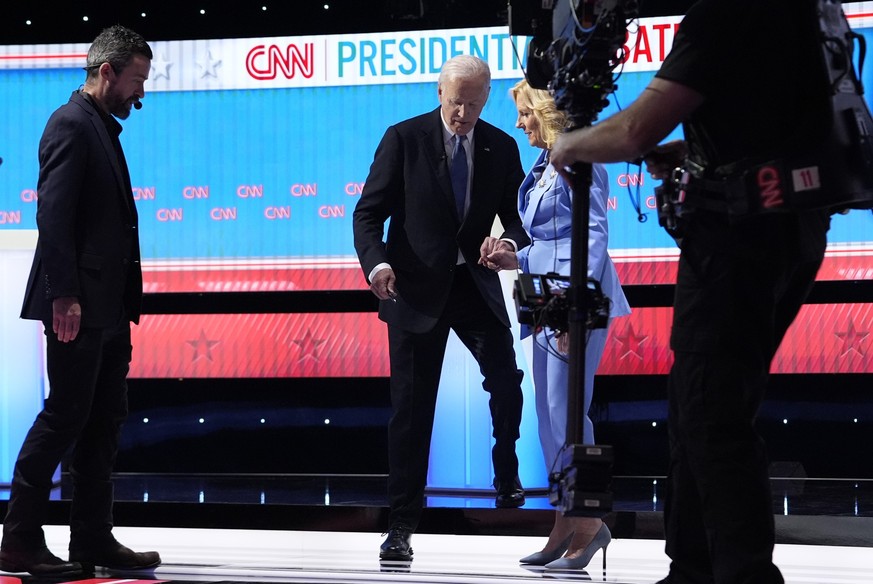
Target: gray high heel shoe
[[600, 541], [543, 558]]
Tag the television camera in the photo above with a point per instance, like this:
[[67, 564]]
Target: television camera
[[575, 47]]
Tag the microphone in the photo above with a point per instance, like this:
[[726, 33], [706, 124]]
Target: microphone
[[137, 104]]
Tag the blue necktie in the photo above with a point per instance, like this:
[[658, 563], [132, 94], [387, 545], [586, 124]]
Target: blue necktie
[[459, 174]]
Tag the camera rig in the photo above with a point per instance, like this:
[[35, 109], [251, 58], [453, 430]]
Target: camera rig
[[541, 300], [577, 61], [576, 45]]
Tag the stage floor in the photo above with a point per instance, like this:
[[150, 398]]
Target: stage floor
[[230, 555], [327, 529]]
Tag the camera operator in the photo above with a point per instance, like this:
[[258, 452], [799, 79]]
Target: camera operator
[[735, 78]]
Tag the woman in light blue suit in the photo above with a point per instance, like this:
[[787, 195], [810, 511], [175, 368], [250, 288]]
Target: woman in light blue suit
[[545, 205]]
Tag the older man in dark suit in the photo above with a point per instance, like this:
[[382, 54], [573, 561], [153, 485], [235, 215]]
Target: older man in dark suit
[[442, 178], [86, 287]]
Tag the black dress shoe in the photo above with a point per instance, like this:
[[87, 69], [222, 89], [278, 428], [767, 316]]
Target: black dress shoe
[[113, 556], [509, 493], [39, 563], [396, 545]]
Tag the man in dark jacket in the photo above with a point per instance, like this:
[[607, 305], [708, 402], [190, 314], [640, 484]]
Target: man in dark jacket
[[442, 178], [86, 287]]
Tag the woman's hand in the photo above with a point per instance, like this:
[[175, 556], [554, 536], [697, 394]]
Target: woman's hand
[[496, 254], [563, 342]]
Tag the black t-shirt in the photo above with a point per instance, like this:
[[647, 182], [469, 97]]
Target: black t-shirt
[[754, 62]]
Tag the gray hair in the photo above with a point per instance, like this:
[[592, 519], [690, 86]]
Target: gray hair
[[117, 46], [466, 67]]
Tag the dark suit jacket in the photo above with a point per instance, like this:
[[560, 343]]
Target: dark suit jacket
[[88, 243], [409, 183]]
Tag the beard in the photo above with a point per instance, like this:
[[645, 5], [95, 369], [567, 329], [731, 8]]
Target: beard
[[120, 107]]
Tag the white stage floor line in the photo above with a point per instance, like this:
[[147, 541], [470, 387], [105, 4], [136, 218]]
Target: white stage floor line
[[341, 557]]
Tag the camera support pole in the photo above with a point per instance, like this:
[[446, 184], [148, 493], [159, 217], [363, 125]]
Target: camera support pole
[[581, 488], [580, 182], [587, 37]]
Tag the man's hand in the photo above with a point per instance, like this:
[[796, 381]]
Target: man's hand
[[496, 254], [66, 318], [661, 161], [383, 284]]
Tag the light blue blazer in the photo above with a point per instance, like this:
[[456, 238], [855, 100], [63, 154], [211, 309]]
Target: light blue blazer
[[545, 205]]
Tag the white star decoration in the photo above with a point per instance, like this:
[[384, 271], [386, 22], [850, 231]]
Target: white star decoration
[[161, 67], [210, 66]]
